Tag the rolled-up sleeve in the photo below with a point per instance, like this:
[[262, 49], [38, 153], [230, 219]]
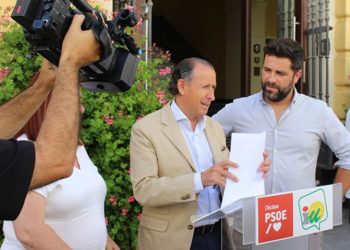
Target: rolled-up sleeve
[[337, 137]]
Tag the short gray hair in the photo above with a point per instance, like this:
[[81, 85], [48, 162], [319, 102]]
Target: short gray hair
[[184, 70]]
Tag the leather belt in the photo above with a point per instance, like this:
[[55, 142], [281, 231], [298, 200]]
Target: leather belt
[[207, 228]]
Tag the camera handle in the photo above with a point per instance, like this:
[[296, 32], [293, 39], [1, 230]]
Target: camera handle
[[129, 43], [100, 32], [82, 6]]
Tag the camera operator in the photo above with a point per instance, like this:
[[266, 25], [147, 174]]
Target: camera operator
[[25, 165]]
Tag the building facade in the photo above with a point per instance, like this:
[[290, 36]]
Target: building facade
[[231, 34]]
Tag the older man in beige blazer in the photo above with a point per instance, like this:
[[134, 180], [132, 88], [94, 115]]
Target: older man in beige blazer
[[178, 157]]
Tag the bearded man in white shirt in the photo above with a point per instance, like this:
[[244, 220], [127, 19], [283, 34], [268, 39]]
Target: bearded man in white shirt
[[295, 124]]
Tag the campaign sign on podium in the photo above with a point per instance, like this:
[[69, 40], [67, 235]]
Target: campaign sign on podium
[[294, 214], [275, 217], [281, 221]]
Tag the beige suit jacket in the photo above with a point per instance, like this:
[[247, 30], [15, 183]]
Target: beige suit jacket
[[162, 175]]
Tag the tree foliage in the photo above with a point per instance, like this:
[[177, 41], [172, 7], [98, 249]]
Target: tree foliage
[[106, 123]]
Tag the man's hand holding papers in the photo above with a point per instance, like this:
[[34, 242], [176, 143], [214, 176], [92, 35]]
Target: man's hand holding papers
[[248, 151]]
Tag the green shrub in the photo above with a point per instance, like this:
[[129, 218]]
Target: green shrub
[[106, 122], [16, 63]]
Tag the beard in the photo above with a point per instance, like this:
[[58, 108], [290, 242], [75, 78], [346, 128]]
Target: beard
[[278, 96]]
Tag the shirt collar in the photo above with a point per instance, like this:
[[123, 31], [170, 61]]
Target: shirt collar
[[181, 117]]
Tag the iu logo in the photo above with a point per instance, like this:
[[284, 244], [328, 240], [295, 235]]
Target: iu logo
[[275, 217], [313, 209]]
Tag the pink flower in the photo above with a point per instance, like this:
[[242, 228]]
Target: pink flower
[[168, 55], [106, 220], [139, 22], [163, 101], [165, 71], [4, 72], [108, 119], [160, 94], [113, 199], [139, 117], [124, 211], [161, 97], [139, 216], [131, 199], [129, 170], [129, 7]]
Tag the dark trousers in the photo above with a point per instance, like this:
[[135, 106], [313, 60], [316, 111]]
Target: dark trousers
[[207, 237]]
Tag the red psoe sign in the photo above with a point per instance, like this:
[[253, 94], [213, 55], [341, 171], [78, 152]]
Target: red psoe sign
[[275, 217]]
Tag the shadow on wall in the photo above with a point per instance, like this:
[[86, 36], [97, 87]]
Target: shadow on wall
[[167, 37]]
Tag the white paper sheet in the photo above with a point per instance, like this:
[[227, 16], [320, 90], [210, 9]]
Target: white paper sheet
[[247, 151]]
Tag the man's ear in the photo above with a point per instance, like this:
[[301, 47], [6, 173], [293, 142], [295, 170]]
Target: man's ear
[[297, 76], [181, 86]]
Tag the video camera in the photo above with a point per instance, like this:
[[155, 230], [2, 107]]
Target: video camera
[[46, 23]]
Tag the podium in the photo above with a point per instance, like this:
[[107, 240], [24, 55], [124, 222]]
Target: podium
[[279, 221]]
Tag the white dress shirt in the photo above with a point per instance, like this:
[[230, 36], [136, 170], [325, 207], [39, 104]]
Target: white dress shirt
[[294, 141], [347, 120], [208, 198]]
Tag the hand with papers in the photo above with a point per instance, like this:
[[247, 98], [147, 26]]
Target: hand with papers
[[265, 165], [217, 174], [247, 149], [247, 152]]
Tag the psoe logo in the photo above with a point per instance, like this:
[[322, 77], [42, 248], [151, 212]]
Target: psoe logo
[[313, 209]]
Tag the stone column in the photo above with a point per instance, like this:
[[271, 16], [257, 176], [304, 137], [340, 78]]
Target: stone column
[[341, 76]]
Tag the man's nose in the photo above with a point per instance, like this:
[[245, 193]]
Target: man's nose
[[271, 77], [211, 95]]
